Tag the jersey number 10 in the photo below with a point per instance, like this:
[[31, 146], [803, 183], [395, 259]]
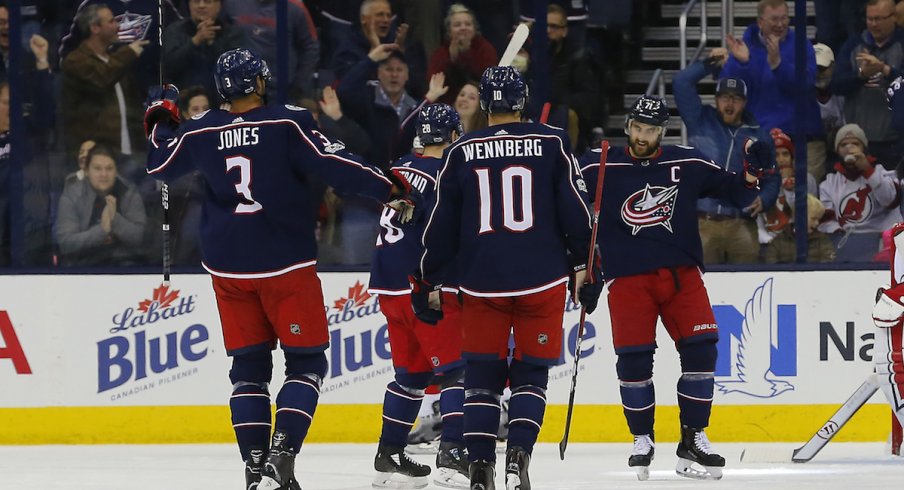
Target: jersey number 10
[[517, 214]]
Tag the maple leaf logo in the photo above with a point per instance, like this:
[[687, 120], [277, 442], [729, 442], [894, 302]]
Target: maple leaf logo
[[162, 296], [357, 295]]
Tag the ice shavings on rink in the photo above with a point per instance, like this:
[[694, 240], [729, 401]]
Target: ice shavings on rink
[[350, 466]]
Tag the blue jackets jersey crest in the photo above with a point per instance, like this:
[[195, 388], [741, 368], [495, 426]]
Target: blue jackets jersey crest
[[510, 205], [648, 216], [256, 219], [399, 248]]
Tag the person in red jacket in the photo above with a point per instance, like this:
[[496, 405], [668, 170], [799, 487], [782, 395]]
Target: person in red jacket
[[464, 55]]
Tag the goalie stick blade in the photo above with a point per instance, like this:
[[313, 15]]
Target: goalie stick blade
[[836, 421], [768, 454], [515, 43]]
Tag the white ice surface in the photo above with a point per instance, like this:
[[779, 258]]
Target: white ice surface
[[857, 466]]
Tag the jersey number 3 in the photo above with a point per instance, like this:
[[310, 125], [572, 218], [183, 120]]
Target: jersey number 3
[[243, 188], [517, 199]]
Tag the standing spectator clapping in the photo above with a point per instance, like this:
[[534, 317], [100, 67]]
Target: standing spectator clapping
[[866, 63], [193, 44]]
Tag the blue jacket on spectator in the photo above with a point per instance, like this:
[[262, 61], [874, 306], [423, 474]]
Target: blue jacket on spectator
[[724, 144], [772, 93]]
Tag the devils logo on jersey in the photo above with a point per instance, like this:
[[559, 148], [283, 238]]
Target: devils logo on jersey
[[650, 206], [856, 207]]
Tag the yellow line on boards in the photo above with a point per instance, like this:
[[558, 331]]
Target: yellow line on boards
[[361, 424]]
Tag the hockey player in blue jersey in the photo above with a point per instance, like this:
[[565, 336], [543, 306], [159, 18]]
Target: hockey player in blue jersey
[[422, 354], [257, 242], [652, 257], [511, 209]]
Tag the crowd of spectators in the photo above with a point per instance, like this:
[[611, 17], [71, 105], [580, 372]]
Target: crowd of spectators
[[363, 67]]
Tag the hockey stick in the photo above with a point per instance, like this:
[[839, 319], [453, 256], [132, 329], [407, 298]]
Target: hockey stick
[[164, 187], [604, 150], [544, 114], [822, 436], [519, 37], [836, 421]]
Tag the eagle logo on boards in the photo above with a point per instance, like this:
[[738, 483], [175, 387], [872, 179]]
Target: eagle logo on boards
[[650, 206], [752, 372]]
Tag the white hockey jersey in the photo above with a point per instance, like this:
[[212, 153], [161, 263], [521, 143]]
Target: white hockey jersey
[[863, 205]]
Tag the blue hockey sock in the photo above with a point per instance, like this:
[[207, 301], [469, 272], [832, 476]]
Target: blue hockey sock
[[250, 407], [695, 386], [528, 403], [695, 399], [484, 382], [635, 379], [639, 404], [400, 408], [451, 403], [295, 406]]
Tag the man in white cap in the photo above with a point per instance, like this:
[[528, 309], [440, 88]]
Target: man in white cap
[[861, 198], [831, 110]]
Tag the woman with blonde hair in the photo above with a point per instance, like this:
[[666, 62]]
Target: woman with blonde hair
[[465, 53]]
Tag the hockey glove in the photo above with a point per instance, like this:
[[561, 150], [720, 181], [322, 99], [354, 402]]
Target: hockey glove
[[161, 107], [409, 204], [888, 310], [759, 159], [420, 300], [592, 286]]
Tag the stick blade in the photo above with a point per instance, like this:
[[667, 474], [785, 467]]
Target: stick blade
[[519, 37], [562, 445], [765, 454]]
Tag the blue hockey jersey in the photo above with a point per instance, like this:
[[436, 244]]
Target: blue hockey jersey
[[510, 205], [256, 219], [399, 248], [648, 216]]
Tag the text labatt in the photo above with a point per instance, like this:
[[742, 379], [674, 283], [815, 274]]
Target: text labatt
[[123, 358]]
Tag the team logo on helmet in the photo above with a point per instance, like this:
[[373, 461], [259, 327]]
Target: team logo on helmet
[[648, 109], [237, 71], [502, 89], [435, 124], [650, 206]]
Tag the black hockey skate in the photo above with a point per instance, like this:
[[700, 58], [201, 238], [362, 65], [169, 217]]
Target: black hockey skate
[[642, 456], [483, 474], [396, 470], [278, 472], [253, 468], [516, 462], [694, 448], [451, 466]]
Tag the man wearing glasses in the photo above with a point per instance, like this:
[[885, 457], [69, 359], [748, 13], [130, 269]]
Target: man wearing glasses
[[764, 58], [864, 67]]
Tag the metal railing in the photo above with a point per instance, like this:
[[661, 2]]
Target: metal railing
[[682, 28], [656, 81]]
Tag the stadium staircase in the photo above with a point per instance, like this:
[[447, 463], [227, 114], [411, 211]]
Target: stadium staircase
[[661, 49]]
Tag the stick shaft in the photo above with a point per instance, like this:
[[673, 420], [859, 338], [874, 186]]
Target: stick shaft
[[598, 195], [164, 188]]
